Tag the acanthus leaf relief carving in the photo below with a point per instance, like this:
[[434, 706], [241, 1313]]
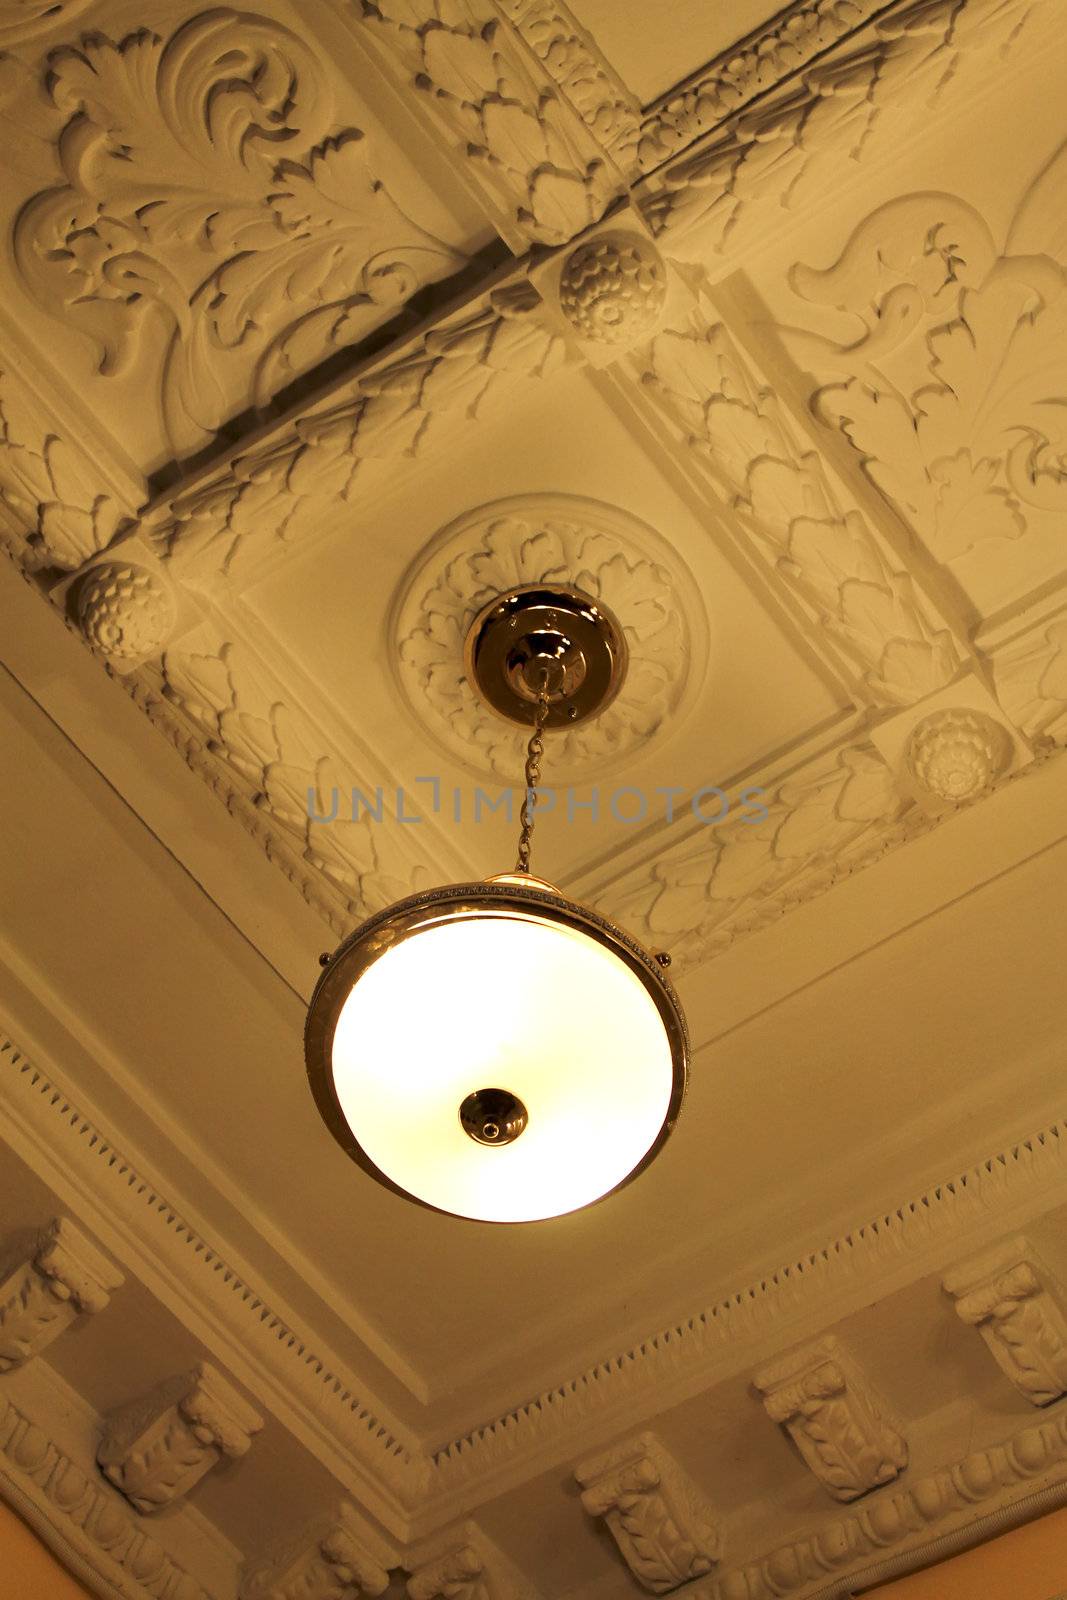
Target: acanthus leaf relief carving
[[521, 141], [950, 387], [156, 1449], [603, 551], [777, 489], [801, 139], [270, 749], [1031, 680], [330, 1562], [655, 1514], [1010, 1297], [46, 487], [25, 19], [186, 228], [410, 406], [834, 1418], [459, 1574], [830, 818], [66, 1277]]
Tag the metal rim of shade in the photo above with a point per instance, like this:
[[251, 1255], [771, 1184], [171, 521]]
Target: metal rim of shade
[[467, 901]]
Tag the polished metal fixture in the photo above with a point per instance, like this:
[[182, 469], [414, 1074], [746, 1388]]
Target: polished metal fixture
[[494, 1050]]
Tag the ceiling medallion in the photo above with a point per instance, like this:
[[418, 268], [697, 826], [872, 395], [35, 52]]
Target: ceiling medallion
[[527, 541], [494, 1050]]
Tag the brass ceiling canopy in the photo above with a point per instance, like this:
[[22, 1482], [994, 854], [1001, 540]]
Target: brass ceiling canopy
[[546, 633], [494, 1050]]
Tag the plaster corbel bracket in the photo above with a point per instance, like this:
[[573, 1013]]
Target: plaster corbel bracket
[[339, 1556], [1014, 1302], [834, 1418], [662, 1525], [65, 1278], [157, 1448]]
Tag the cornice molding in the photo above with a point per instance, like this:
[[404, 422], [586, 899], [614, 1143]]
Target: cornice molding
[[904, 1521], [77, 1515]]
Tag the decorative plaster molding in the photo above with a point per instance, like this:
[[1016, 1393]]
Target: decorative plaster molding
[[51, 493], [1031, 681], [73, 1513], [949, 393], [156, 1449], [777, 51], [248, 269], [125, 611], [540, 167], [22, 20], [907, 1520], [330, 1562], [457, 1575], [1011, 1299], [833, 817], [407, 406], [66, 1277], [794, 144], [612, 288], [777, 491], [650, 1372], [601, 549], [834, 1418], [572, 58], [275, 1354], [463, 1564], [243, 712], [655, 1513], [958, 754]]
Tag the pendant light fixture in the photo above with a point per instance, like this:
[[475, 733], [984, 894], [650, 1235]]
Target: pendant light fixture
[[495, 1050]]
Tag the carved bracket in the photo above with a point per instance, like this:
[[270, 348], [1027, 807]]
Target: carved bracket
[[65, 1277], [157, 1448], [834, 1419], [655, 1514], [1012, 1300], [332, 1561]]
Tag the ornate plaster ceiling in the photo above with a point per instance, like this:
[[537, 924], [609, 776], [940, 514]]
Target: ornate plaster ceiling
[[318, 326]]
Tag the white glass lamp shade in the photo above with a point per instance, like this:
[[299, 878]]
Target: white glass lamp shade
[[496, 1052]]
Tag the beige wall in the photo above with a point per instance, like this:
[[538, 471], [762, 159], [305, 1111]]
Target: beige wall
[[1029, 1564], [28, 1571]]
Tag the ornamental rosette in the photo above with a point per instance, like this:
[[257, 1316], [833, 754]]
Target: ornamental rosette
[[613, 288], [125, 611], [957, 755]]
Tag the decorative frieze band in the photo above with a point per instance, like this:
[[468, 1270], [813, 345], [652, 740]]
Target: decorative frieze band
[[1013, 1301], [834, 1418], [68, 1508], [655, 1513], [156, 1449], [64, 1278]]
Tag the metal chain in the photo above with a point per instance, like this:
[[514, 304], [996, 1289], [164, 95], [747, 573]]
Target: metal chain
[[534, 751]]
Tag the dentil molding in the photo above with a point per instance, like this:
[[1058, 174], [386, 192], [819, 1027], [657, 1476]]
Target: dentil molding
[[834, 1418], [66, 1277], [604, 551], [1011, 1298], [155, 1450], [664, 1529], [641, 1376]]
